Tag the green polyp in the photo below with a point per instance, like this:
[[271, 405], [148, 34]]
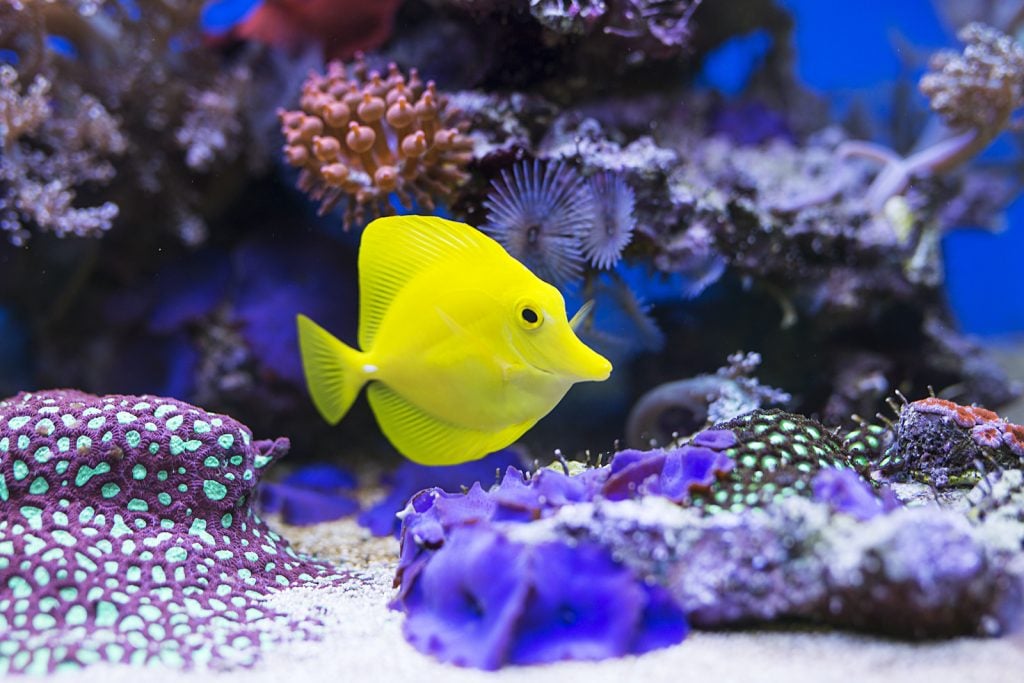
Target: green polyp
[[119, 528], [63, 537], [62, 466], [200, 427], [176, 554], [164, 498], [20, 470], [39, 486], [110, 489], [174, 422], [214, 490], [235, 460], [212, 461], [139, 472], [85, 473], [42, 578], [138, 505], [162, 475], [4, 494], [226, 441], [83, 444], [76, 615], [43, 454], [154, 447], [164, 409], [16, 423], [20, 588], [106, 613], [226, 520], [149, 612], [182, 488], [63, 444], [133, 438], [24, 442], [158, 574]]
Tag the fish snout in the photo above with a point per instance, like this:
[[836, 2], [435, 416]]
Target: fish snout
[[591, 366]]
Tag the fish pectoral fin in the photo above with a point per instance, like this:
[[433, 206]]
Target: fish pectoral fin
[[425, 439]]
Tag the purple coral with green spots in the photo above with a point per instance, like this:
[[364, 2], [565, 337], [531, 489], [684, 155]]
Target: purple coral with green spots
[[127, 535]]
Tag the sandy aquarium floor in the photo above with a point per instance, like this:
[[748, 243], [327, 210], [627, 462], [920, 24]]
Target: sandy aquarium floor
[[362, 641]]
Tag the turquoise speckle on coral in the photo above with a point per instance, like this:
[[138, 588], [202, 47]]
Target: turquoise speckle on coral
[[129, 550]]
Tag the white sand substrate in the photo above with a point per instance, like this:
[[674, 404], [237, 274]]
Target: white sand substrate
[[362, 641]]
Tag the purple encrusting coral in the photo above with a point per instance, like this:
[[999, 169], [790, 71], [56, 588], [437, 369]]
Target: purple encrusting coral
[[127, 535]]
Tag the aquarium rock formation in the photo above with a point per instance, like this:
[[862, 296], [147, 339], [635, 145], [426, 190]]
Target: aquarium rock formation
[[761, 518]]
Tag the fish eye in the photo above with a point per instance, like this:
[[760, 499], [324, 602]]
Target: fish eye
[[529, 317]]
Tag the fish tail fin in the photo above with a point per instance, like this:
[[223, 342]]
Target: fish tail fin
[[333, 370]]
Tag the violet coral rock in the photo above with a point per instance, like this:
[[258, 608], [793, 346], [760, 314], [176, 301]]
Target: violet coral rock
[[127, 535]]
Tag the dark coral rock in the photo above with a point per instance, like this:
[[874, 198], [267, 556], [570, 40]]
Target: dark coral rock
[[127, 534], [947, 444], [921, 573]]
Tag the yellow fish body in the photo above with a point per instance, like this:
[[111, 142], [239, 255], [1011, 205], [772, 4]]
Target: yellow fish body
[[464, 348]]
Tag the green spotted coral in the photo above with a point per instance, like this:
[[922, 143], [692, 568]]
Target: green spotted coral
[[127, 535]]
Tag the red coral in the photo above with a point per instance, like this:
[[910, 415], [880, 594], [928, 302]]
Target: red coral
[[363, 136], [342, 27], [965, 416], [1013, 438]]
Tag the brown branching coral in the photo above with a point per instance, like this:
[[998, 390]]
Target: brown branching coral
[[974, 92], [44, 156], [361, 136]]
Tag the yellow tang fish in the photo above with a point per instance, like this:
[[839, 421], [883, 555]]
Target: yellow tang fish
[[464, 348]]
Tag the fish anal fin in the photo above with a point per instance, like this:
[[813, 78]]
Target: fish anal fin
[[396, 249], [428, 440], [332, 370]]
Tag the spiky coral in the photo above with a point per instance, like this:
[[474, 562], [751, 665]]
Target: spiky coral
[[540, 212], [361, 136]]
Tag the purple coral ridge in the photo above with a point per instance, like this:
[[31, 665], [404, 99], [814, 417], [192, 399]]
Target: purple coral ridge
[[127, 535]]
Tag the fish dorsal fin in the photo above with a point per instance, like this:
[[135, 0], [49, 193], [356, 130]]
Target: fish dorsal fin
[[428, 440], [395, 249]]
